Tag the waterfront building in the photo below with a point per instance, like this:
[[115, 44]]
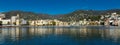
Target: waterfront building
[[4, 21], [15, 20], [31, 23], [113, 19], [2, 16], [23, 22], [47, 23]]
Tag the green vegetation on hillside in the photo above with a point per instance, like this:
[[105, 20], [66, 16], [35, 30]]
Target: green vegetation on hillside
[[74, 16]]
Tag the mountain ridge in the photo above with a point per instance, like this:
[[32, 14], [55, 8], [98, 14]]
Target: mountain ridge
[[73, 16]]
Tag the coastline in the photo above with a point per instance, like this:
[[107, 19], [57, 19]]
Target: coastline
[[69, 26]]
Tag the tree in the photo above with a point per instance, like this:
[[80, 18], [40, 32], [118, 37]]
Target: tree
[[0, 22]]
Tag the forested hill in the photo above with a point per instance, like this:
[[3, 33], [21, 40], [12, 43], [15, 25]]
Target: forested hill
[[73, 16], [27, 15]]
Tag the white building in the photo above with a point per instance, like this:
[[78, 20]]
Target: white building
[[15, 20], [2, 16], [5, 21], [23, 21]]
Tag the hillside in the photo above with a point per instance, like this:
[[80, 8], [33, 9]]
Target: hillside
[[27, 15], [73, 16], [86, 14]]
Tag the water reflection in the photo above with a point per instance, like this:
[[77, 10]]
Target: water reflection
[[16, 34]]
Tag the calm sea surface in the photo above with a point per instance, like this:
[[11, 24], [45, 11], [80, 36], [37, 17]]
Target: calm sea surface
[[52, 35]]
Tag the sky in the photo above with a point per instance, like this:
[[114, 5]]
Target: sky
[[54, 7]]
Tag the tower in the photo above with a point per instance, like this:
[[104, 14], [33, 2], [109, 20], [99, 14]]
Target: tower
[[17, 20]]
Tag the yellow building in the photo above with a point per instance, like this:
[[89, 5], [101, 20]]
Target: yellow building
[[17, 22]]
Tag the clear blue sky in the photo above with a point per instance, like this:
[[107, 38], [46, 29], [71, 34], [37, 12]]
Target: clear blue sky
[[57, 6]]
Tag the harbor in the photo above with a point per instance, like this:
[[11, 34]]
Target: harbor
[[43, 35]]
